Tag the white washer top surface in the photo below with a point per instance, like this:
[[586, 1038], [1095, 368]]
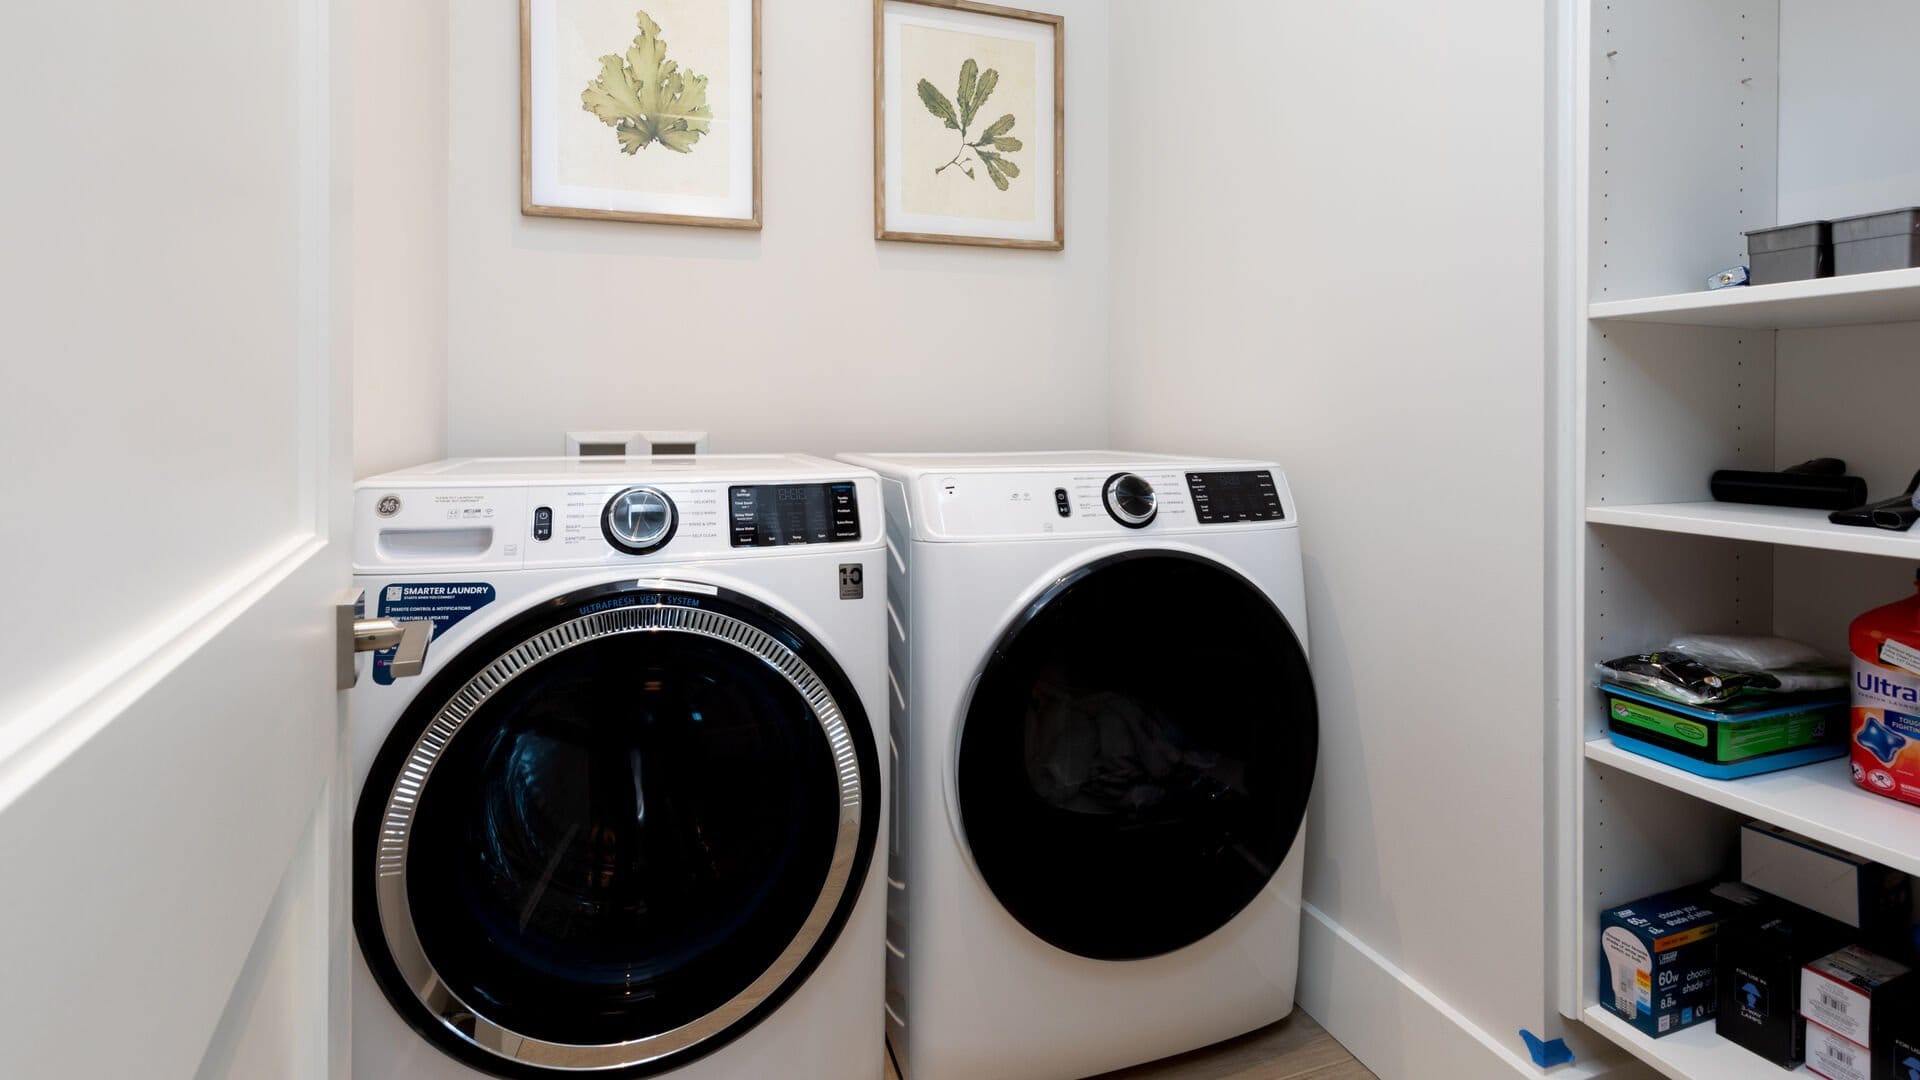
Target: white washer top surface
[[507, 471]]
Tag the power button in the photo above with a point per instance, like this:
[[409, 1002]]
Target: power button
[[543, 523], [1060, 502]]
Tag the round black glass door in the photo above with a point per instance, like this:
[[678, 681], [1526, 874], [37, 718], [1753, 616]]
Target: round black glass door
[[1137, 756], [628, 850]]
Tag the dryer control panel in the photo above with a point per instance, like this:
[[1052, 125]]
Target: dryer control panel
[[1221, 498], [1099, 501]]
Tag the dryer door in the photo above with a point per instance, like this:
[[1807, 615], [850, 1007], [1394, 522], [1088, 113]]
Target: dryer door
[[615, 833], [1137, 755]]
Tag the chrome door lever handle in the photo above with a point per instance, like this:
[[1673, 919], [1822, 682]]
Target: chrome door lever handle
[[355, 634], [407, 637]]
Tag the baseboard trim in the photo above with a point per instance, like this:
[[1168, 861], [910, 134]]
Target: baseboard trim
[[1399, 1028]]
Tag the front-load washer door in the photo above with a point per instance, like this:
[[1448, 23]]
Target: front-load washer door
[[615, 833], [1137, 754]]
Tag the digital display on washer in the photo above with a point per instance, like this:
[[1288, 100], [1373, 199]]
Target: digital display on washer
[[775, 515], [1223, 497]]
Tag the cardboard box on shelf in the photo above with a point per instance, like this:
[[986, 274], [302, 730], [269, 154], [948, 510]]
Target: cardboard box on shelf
[[1843, 991]]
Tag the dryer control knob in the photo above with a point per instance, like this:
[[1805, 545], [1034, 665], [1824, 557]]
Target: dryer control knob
[[639, 520], [1130, 499]]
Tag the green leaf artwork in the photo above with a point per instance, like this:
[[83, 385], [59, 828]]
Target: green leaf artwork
[[991, 146], [645, 97]]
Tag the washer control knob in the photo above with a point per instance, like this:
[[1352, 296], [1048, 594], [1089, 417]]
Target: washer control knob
[[639, 520], [1130, 499]]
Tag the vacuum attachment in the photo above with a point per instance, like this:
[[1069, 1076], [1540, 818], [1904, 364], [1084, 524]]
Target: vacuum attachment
[[1820, 484], [1897, 513]]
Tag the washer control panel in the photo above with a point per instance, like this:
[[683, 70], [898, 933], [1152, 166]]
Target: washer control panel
[[778, 515], [606, 523]]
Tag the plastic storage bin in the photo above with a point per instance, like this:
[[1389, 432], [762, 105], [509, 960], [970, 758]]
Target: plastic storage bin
[[1751, 736], [1889, 240], [1790, 253]]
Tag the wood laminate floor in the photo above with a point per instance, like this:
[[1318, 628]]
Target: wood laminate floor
[[1296, 1048]]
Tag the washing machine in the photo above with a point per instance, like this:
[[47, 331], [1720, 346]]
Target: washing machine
[[623, 820], [1104, 731]]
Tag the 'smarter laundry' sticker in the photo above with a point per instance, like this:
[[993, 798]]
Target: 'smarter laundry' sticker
[[441, 603]]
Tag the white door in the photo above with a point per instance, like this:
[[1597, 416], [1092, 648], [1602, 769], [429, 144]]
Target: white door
[[174, 423]]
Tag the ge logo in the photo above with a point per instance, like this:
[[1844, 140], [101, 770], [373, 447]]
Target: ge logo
[[388, 505]]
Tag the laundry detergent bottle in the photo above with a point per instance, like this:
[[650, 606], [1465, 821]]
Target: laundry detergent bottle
[[1886, 699]]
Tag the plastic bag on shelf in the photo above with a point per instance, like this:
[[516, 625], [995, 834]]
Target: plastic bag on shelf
[[1712, 669], [1677, 676], [1794, 665]]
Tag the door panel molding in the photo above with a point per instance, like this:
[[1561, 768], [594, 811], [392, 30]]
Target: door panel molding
[[35, 742], [149, 856]]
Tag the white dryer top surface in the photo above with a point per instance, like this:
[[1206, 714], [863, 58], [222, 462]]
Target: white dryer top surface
[[1030, 461], [726, 468]]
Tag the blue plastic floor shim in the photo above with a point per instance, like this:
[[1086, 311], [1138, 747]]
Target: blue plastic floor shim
[[1549, 1053]]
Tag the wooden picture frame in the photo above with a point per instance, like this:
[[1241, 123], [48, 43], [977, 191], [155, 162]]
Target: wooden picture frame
[[899, 206], [541, 192]]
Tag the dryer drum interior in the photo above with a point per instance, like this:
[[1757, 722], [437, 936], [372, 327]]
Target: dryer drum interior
[[615, 833], [1136, 759]]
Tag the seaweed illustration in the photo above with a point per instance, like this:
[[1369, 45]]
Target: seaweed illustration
[[645, 97], [993, 143]]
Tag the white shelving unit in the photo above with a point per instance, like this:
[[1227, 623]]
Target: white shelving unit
[[1818, 801], [1888, 296], [1696, 122], [1759, 524], [1693, 1054]]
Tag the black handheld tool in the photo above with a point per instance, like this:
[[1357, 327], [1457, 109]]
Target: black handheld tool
[[1820, 484], [1896, 513]]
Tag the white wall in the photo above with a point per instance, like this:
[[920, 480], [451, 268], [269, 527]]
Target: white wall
[[400, 234], [1845, 69], [1329, 248], [807, 335]]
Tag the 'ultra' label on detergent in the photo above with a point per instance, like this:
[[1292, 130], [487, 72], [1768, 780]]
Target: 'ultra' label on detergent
[[1886, 730]]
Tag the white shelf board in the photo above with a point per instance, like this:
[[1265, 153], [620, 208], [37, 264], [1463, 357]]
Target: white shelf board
[[1887, 296], [1694, 1053], [1763, 524], [1818, 801]]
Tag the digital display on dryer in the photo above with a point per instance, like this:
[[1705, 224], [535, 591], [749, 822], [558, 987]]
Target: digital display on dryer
[[1225, 497], [776, 515]]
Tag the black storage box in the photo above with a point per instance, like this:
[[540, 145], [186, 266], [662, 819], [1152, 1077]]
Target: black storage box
[[1889, 240], [1896, 1045], [1790, 253], [1762, 948]]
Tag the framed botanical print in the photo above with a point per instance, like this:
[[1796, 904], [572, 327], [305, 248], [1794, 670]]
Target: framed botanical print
[[641, 110], [969, 124]]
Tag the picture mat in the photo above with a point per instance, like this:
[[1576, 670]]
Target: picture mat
[[1039, 139], [547, 107]]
